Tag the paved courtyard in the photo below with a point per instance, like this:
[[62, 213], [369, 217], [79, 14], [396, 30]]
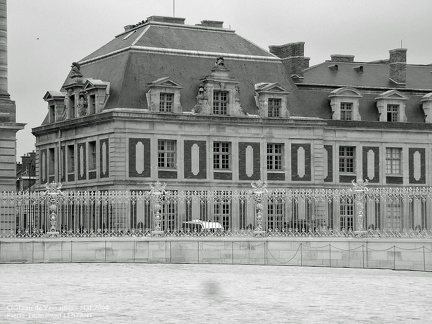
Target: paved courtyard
[[170, 293]]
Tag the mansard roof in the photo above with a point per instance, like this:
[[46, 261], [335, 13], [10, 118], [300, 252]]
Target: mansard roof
[[186, 55], [372, 75]]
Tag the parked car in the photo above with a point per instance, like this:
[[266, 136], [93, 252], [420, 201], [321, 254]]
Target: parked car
[[200, 225]]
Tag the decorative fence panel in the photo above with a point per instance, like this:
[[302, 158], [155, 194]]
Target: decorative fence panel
[[356, 211]]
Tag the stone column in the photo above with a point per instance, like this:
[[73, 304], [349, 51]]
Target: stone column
[[3, 50]]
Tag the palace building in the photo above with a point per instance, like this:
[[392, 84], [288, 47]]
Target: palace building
[[201, 108]]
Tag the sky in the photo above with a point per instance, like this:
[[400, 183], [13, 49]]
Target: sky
[[46, 36]]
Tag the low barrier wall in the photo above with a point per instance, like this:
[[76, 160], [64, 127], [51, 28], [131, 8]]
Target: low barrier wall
[[398, 254]]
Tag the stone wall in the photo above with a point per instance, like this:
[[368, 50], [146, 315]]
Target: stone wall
[[400, 254]]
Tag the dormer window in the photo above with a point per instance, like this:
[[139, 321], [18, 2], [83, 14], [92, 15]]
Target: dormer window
[[95, 94], [391, 106], [271, 100], [427, 107], [218, 93], [164, 96], [166, 102], [56, 106], [274, 107], [220, 102], [345, 104]]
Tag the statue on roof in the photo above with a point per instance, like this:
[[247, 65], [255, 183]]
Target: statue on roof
[[76, 70], [220, 63]]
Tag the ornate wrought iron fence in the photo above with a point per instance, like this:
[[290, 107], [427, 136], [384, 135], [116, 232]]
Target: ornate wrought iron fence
[[356, 211]]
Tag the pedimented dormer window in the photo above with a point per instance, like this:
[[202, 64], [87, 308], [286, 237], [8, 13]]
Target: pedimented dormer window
[[56, 106], [271, 100], [427, 107], [219, 93], [344, 103], [391, 106], [93, 97], [164, 96]]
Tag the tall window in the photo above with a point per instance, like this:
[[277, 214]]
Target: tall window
[[393, 160], [167, 154], [274, 106], [51, 161], [222, 213], [92, 155], [346, 159], [71, 158], [274, 156], [166, 102], [392, 113], [275, 215], [220, 102], [169, 212], [394, 213], [347, 214], [346, 110], [52, 114], [92, 104], [72, 106], [221, 155]]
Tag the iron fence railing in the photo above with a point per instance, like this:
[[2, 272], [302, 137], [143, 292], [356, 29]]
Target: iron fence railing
[[355, 211]]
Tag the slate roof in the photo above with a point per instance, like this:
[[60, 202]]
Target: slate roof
[[185, 54], [320, 80], [373, 76]]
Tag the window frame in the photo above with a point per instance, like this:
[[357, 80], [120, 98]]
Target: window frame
[[275, 159], [346, 110], [394, 162], [274, 107], [166, 101], [346, 161], [392, 111], [167, 154], [222, 156], [220, 105]]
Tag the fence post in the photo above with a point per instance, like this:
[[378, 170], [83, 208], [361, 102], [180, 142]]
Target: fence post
[[360, 197], [53, 192], [259, 190], [156, 192]]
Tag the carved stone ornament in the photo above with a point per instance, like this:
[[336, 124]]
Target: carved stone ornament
[[82, 106], [76, 70], [220, 63]]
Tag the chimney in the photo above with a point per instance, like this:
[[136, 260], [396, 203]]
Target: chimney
[[342, 58], [128, 27], [211, 23], [170, 20], [293, 58], [398, 65]]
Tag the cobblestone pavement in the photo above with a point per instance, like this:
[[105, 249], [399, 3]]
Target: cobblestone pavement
[[170, 293]]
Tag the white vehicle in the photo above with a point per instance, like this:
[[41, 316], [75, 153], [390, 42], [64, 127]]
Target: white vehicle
[[200, 225]]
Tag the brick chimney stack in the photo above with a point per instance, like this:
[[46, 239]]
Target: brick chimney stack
[[293, 58], [398, 65]]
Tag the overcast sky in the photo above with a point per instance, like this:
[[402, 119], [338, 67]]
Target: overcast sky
[[46, 36]]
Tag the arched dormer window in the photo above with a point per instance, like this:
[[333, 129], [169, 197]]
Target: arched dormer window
[[427, 107], [164, 96], [345, 104], [271, 100], [391, 106]]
